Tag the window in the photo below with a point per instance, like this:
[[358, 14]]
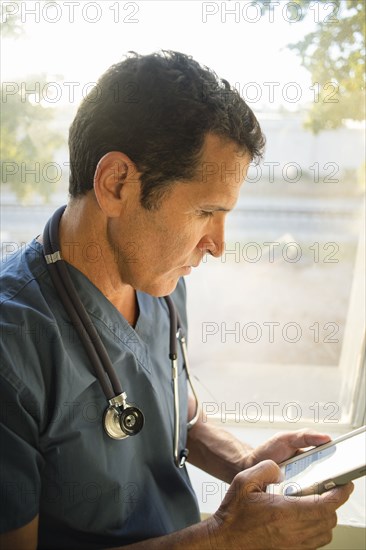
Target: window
[[277, 324]]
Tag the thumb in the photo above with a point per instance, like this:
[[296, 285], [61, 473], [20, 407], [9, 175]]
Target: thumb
[[259, 476]]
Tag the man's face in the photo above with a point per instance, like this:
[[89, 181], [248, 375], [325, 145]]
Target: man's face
[[155, 248]]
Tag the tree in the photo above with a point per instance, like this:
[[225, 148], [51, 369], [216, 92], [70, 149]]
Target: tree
[[10, 26], [28, 142], [334, 53]]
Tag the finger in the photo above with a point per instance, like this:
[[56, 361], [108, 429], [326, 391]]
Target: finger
[[259, 476], [287, 518], [310, 535], [317, 541], [308, 438], [337, 496], [319, 507], [319, 534], [310, 527]]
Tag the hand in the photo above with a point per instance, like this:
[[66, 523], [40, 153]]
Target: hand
[[251, 518], [284, 445]]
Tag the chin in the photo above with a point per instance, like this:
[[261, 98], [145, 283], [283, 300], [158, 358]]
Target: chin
[[161, 288]]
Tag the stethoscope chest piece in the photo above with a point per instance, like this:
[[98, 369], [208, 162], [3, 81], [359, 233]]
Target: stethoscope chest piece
[[122, 419]]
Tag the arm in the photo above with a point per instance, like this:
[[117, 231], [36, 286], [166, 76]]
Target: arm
[[214, 450], [24, 538], [220, 454]]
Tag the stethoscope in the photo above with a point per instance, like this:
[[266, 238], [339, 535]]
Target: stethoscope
[[121, 419]]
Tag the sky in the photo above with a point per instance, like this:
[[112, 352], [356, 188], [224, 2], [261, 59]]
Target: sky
[[79, 40]]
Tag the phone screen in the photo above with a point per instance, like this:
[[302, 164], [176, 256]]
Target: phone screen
[[325, 464]]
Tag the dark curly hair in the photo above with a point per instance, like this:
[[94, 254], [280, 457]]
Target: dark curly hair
[[157, 110]]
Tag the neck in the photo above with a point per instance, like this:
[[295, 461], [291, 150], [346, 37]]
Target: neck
[[84, 245]]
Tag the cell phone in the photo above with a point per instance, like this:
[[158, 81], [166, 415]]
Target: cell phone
[[324, 467]]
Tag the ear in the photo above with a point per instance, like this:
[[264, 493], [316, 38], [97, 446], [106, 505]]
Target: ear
[[115, 178]]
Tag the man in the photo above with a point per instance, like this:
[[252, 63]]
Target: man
[[158, 154]]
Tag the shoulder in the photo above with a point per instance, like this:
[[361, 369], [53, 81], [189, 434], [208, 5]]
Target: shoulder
[[20, 270], [27, 321], [25, 304]]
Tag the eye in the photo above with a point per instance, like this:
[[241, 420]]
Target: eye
[[205, 214]]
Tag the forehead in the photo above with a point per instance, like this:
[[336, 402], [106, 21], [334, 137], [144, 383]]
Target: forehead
[[215, 145], [222, 169], [222, 162], [220, 173]]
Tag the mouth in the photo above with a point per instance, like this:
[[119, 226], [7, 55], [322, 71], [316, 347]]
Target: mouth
[[188, 268]]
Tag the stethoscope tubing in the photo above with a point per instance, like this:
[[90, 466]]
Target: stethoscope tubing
[[93, 345], [177, 334]]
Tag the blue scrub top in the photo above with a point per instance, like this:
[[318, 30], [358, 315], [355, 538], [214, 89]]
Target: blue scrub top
[[90, 491]]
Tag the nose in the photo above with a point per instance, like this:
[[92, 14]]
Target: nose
[[213, 241]]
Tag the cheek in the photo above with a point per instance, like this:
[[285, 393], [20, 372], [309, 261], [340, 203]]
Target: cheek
[[177, 241], [168, 245], [186, 241]]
